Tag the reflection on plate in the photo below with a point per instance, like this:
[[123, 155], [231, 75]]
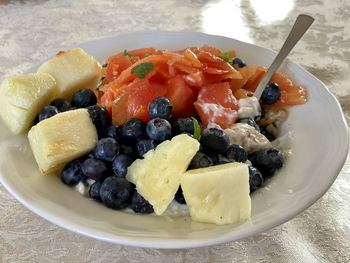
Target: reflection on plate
[[319, 145]]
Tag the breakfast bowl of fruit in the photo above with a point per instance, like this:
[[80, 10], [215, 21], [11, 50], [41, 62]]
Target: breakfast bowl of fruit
[[155, 139]]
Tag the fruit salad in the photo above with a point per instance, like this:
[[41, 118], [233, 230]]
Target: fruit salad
[[150, 128]]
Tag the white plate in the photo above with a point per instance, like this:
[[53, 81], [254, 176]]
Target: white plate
[[319, 145]]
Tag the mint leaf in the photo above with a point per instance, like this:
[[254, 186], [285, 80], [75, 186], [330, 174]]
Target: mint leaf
[[142, 69], [197, 129], [225, 57], [146, 55], [127, 54]]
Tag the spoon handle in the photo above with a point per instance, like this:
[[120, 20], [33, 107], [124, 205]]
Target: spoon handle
[[301, 25]]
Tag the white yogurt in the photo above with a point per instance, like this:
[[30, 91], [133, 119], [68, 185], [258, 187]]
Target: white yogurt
[[214, 111], [84, 186], [176, 209], [247, 136], [278, 116], [249, 107]]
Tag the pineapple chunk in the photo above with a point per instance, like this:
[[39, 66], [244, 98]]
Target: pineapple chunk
[[73, 70], [157, 176], [218, 194], [61, 139], [23, 97]]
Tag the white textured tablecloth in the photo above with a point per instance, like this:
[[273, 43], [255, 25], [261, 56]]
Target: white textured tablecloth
[[30, 31]]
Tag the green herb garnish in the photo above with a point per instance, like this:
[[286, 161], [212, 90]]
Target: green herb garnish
[[142, 69], [146, 55], [127, 54], [197, 129], [225, 57]]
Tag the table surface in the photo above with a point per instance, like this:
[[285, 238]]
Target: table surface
[[31, 31]]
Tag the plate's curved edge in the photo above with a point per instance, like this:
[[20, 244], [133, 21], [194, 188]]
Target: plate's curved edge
[[177, 244]]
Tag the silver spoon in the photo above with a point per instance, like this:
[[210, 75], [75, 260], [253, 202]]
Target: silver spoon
[[301, 25]]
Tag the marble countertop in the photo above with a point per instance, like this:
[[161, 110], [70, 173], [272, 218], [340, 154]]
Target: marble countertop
[[31, 31]]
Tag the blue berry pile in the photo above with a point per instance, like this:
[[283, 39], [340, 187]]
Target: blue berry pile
[[118, 146]]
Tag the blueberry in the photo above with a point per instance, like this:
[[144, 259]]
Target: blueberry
[[47, 112], [160, 107], [271, 93], [104, 65], [116, 192], [120, 165], [72, 173], [61, 105], [239, 62], [250, 122], [128, 149], [236, 153], [84, 98], [214, 140], [222, 160], [200, 160], [94, 191], [101, 119], [144, 146], [95, 169], [267, 134], [158, 129], [182, 125], [106, 149], [214, 157], [91, 154], [260, 115], [179, 197], [113, 131], [140, 204], [255, 179], [133, 130], [267, 160]]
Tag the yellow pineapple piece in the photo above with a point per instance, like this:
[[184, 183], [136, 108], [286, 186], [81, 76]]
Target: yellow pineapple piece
[[62, 138], [73, 70], [157, 176], [23, 97], [218, 194]]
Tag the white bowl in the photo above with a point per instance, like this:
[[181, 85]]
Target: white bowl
[[319, 145]]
